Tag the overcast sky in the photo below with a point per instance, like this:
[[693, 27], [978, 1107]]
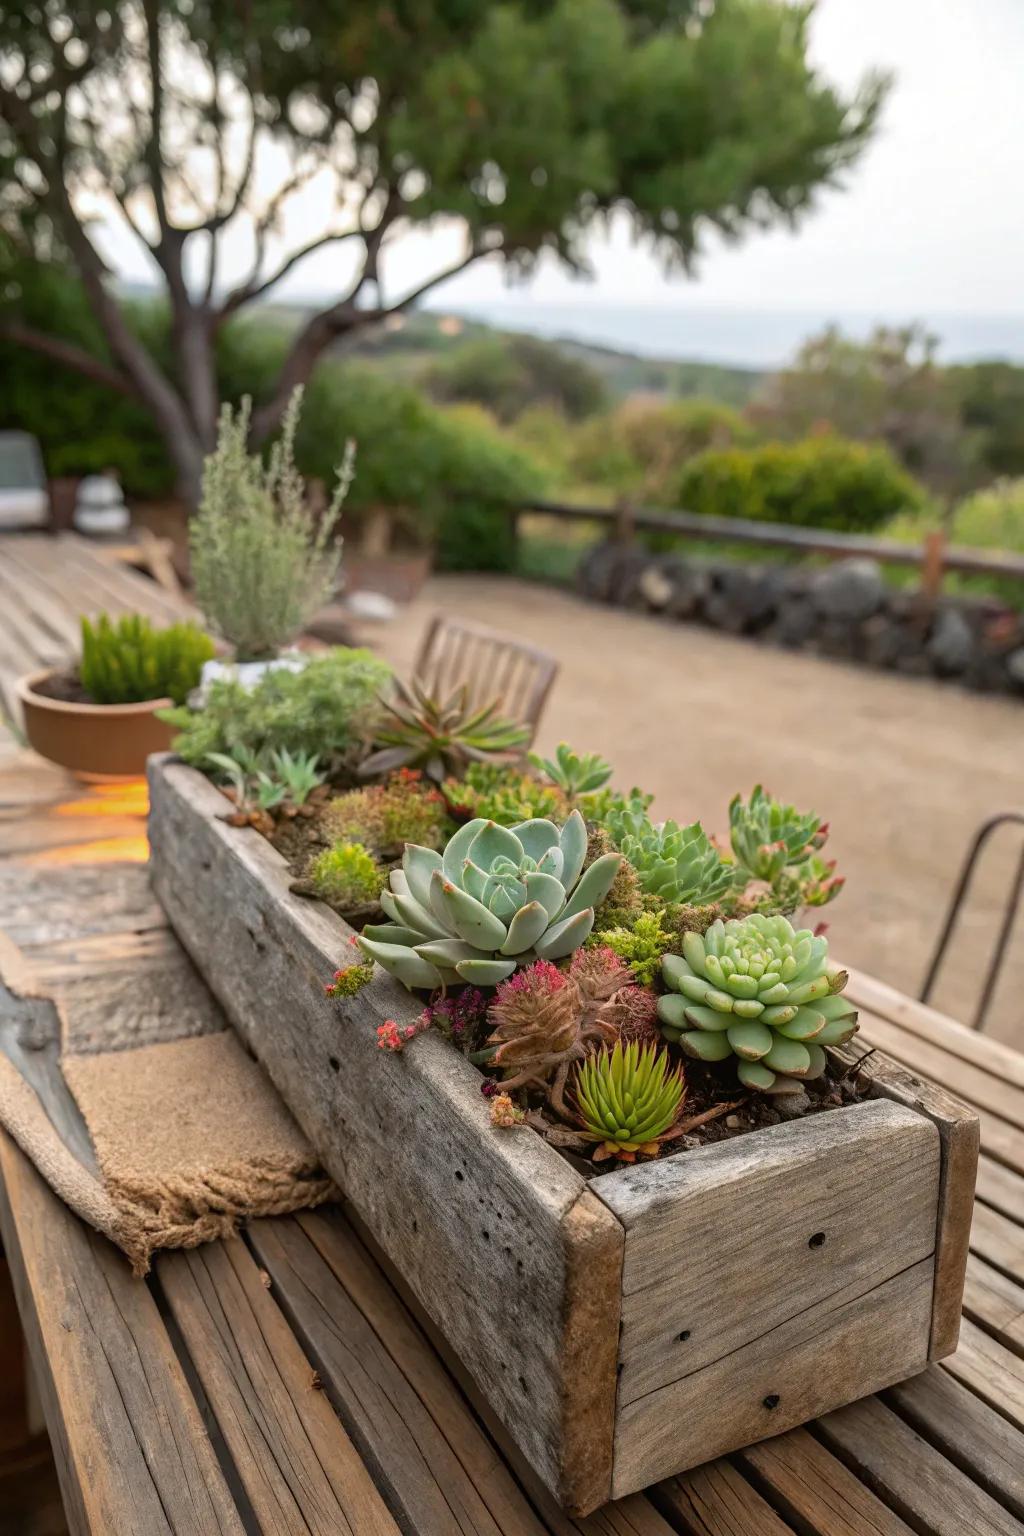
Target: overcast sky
[[930, 223]]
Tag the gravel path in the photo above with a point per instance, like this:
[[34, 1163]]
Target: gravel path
[[904, 769]]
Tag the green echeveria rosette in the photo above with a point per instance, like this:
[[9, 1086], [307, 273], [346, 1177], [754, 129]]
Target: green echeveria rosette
[[760, 990], [498, 897]]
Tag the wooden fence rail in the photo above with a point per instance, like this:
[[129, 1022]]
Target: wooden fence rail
[[934, 556]]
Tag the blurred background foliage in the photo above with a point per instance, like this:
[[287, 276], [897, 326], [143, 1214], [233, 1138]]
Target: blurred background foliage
[[453, 419]]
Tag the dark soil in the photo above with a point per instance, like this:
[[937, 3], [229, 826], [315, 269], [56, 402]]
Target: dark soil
[[714, 1088], [65, 687], [299, 839]]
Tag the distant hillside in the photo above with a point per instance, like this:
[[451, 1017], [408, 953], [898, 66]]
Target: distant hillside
[[406, 345]]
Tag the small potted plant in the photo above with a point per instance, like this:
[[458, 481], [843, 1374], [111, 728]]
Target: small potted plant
[[100, 718], [262, 562]]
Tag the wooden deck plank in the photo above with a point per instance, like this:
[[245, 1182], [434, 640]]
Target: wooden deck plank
[[967, 1431], [911, 1476], [999, 1240], [977, 1086], [716, 1500], [991, 1371], [815, 1491], [132, 1453], [1001, 1188], [299, 1469], [1003, 1061], [407, 1417], [995, 1303]]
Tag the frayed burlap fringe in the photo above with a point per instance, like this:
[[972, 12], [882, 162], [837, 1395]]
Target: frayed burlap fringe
[[182, 1213]]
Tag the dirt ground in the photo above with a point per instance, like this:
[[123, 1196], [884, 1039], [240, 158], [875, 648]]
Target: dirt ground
[[904, 769]]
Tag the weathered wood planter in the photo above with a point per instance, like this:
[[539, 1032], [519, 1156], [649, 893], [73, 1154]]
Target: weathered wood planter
[[622, 1328]]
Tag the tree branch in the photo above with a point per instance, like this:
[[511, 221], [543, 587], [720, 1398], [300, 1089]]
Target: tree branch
[[323, 328], [252, 289], [68, 354]]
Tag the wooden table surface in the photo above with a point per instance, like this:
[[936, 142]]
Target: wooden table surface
[[281, 1383]]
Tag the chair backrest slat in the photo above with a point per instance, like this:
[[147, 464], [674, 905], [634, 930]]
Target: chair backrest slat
[[491, 665]]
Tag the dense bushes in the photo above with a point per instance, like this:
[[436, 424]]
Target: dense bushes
[[823, 482], [640, 449]]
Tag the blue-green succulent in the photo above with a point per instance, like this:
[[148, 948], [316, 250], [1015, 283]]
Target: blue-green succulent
[[496, 898]]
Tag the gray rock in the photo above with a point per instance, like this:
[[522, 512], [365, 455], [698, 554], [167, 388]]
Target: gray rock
[[850, 589], [795, 621], [952, 644], [791, 1105], [691, 584], [1015, 668]]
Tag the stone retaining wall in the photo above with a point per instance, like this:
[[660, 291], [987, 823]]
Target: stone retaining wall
[[845, 610]]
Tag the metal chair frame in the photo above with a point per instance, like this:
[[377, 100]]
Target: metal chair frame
[[981, 837], [456, 652]]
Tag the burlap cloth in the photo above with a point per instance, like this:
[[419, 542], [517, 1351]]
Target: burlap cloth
[[188, 1136]]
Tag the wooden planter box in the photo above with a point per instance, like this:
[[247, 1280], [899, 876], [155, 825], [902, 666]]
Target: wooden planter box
[[625, 1327]]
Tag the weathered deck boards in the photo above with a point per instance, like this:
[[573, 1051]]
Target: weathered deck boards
[[47, 583], [937, 1457]]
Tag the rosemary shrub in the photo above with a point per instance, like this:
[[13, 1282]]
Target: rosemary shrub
[[262, 563]]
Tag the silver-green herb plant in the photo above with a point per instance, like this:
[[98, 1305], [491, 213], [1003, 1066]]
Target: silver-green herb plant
[[262, 562]]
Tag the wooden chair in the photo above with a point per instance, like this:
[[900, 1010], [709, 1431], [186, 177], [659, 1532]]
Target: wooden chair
[[454, 652], [1013, 901]]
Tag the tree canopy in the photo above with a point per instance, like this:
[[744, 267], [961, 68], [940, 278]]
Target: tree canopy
[[524, 125]]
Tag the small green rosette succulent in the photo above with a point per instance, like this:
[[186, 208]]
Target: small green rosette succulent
[[760, 990], [497, 898]]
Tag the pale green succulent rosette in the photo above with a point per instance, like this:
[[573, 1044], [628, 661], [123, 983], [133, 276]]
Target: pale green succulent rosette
[[760, 990], [498, 897]]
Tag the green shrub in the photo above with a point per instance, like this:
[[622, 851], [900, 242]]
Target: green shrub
[[823, 482], [329, 708], [990, 519], [128, 661], [640, 449], [445, 472], [347, 875], [508, 374]]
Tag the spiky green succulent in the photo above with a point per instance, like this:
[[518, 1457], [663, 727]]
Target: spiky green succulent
[[674, 863], [442, 736], [497, 898], [767, 836], [627, 1099], [574, 774], [760, 990]]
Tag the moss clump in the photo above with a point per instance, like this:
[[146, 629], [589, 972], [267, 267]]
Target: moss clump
[[505, 795], [641, 945], [347, 875], [385, 817]]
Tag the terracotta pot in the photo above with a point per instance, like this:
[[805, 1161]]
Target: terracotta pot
[[96, 741]]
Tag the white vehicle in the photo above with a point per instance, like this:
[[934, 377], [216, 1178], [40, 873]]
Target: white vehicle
[[24, 498]]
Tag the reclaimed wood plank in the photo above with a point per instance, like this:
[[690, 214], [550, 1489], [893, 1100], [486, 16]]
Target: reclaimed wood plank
[[995, 1303], [915, 1479], [967, 1431], [298, 1467], [815, 1491], [408, 1419], [959, 1141], [716, 1500], [991, 1371], [1002, 1061], [131, 1450], [500, 1238], [845, 1209]]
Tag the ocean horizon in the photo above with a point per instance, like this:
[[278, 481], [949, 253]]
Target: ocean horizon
[[737, 338]]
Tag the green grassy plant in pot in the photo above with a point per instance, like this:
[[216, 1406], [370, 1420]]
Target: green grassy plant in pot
[[102, 719]]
